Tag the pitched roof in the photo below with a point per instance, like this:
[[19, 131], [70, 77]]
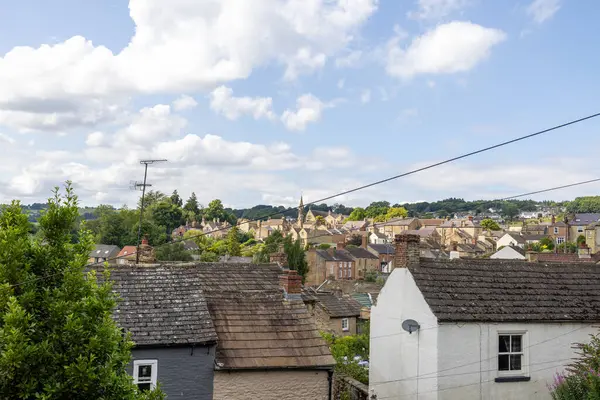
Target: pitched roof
[[383, 248], [104, 251], [399, 222], [379, 235], [585, 219], [338, 307], [355, 224], [162, 305], [518, 238], [127, 252], [335, 255], [190, 245], [359, 252], [365, 299], [423, 232], [318, 213], [431, 222], [256, 327], [502, 290]]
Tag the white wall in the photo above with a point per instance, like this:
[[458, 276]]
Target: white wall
[[468, 359], [398, 357], [506, 240], [508, 253]]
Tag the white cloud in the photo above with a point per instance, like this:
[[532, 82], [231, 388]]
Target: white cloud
[[365, 96], [95, 139], [308, 109], [448, 48], [6, 139], [184, 102], [352, 59], [223, 102], [184, 45], [436, 9], [542, 10]]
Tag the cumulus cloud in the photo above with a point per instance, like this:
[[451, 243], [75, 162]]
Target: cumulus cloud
[[6, 139], [352, 59], [180, 46], [308, 109], [184, 102], [95, 139], [542, 10], [223, 102], [448, 48], [436, 9]]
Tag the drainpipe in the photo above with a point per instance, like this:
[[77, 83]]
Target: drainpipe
[[330, 380]]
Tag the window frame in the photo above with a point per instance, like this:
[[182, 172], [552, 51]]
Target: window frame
[[153, 372], [556, 230], [524, 371], [580, 229], [347, 321], [560, 240]]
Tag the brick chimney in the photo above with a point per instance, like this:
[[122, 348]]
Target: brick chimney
[[364, 241], [471, 218], [553, 219], [145, 241], [291, 282], [340, 246], [407, 251]]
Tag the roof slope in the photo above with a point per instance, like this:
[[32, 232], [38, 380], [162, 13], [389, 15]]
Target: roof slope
[[383, 248], [256, 327], [335, 255], [360, 252], [104, 251], [162, 305], [501, 291], [338, 307]]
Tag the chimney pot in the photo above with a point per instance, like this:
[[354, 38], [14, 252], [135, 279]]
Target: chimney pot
[[291, 282], [145, 241], [407, 251]]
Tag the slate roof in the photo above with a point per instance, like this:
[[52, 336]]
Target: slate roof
[[338, 307], [104, 251], [383, 248], [162, 305], [518, 238], [190, 245], [585, 219], [503, 291], [359, 252], [338, 255], [399, 222], [318, 213], [127, 252], [423, 232], [256, 327]]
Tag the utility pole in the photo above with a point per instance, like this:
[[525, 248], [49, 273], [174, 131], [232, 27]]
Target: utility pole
[[143, 186]]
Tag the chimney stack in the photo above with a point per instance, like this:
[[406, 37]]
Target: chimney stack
[[291, 282], [145, 241], [407, 251], [471, 218], [364, 241], [553, 219], [340, 246]]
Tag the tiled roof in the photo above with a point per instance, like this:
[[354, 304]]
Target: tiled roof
[[399, 222], [383, 248], [190, 245], [365, 299], [338, 307], [502, 291], [317, 213], [379, 235], [585, 219], [127, 252], [338, 255], [359, 252], [104, 251], [162, 305], [256, 327], [518, 238], [423, 232], [431, 222]]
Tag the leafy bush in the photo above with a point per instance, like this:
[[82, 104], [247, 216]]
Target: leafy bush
[[582, 379], [371, 276], [345, 349], [324, 246]]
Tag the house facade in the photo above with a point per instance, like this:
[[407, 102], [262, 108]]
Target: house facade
[[477, 329], [385, 253], [364, 261], [338, 315], [509, 253], [179, 353], [511, 239]]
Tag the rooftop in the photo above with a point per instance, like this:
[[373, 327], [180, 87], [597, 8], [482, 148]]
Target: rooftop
[[359, 252], [508, 290], [338, 307], [383, 248]]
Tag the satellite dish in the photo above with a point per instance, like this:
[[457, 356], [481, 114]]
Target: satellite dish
[[410, 325]]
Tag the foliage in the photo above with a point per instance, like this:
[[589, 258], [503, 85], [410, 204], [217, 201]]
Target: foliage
[[324, 246], [192, 207], [371, 276], [377, 208], [271, 245], [582, 378], [295, 256], [396, 212], [152, 197], [358, 214], [173, 252], [319, 220], [510, 210], [209, 256], [587, 204], [355, 240], [490, 225], [155, 233], [215, 210], [176, 200], [166, 214], [58, 339], [547, 243], [580, 240], [571, 247], [233, 243], [344, 349]]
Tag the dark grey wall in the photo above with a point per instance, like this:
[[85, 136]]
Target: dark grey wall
[[182, 375]]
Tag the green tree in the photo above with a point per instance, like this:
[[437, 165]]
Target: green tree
[[155, 233], [345, 349], [166, 214], [377, 208], [209, 256], [358, 214], [215, 210], [152, 197], [396, 212], [173, 252], [546, 244], [58, 339], [570, 246], [233, 243], [510, 210], [175, 199], [354, 240], [490, 225], [586, 204], [296, 258], [580, 240], [192, 207]]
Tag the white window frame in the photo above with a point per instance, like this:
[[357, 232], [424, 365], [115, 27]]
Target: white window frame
[[580, 229], [345, 322], [154, 372], [560, 240], [556, 230], [524, 371]]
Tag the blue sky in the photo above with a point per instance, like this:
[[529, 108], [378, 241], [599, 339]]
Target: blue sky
[[258, 104]]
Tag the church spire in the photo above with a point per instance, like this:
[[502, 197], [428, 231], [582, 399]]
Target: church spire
[[301, 213]]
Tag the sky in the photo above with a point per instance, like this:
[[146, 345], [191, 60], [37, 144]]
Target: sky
[[261, 102]]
